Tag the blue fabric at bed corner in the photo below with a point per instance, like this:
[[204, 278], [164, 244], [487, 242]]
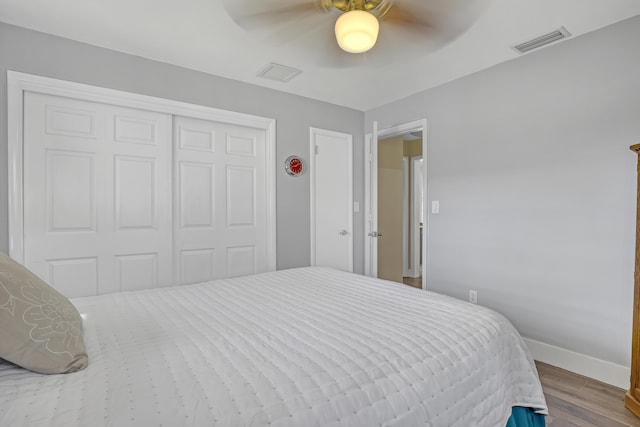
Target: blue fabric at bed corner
[[525, 417]]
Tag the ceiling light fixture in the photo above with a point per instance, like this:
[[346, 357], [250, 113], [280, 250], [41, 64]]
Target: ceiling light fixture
[[357, 31]]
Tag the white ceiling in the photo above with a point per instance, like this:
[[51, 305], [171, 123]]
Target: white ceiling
[[200, 34]]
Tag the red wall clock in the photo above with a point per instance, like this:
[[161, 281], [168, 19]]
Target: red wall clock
[[294, 165]]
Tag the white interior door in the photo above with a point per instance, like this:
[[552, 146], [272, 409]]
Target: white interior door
[[371, 203], [220, 221], [97, 195], [331, 172]]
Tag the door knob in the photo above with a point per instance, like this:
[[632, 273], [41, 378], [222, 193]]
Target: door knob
[[375, 234], [343, 232]]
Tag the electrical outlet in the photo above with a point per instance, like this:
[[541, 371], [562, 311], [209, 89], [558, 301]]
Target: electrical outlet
[[473, 296]]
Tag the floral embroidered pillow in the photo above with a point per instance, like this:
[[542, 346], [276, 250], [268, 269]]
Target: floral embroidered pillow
[[39, 327]]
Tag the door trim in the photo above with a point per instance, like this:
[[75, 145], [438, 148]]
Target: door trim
[[19, 83], [406, 222], [371, 197], [313, 132], [414, 222]]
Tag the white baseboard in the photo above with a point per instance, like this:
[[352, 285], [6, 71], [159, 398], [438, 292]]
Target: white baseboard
[[588, 366]]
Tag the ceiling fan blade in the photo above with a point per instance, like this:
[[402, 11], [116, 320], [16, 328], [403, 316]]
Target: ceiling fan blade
[[279, 22], [404, 16], [428, 25], [265, 18], [439, 10], [252, 14]]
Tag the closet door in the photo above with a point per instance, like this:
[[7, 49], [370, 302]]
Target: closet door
[[97, 195], [220, 203]]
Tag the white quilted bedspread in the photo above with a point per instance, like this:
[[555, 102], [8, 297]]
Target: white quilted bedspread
[[301, 347]]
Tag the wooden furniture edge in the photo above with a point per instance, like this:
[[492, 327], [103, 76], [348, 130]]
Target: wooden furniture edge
[[632, 404], [632, 396]]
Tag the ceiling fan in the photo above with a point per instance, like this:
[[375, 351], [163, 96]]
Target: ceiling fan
[[403, 24]]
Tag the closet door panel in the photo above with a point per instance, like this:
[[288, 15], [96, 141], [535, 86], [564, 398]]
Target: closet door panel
[[97, 183], [135, 272], [197, 265], [241, 260], [135, 192], [75, 276], [70, 193], [241, 197], [221, 199], [197, 194]]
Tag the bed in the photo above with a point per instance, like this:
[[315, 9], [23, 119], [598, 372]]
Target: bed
[[300, 347]]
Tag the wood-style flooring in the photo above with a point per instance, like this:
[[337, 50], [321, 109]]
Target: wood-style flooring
[[577, 401], [415, 282]]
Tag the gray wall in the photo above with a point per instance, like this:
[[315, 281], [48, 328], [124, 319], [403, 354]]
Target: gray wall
[[37, 53], [530, 162]]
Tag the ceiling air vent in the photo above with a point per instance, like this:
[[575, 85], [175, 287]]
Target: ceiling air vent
[[277, 72], [543, 40]]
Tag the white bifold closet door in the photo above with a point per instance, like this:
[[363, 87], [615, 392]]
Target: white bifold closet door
[[97, 195], [220, 228], [119, 199]]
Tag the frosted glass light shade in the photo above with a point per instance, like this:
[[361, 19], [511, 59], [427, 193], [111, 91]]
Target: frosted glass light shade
[[357, 31]]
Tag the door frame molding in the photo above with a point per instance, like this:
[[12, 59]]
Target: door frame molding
[[371, 196], [313, 132], [18, 83], [414, 220], [406, 218]]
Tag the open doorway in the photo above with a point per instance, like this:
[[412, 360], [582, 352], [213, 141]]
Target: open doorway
[[395, 199], [399, 225]]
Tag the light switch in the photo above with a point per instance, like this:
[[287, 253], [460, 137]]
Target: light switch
[[435, 206], [356, 206]]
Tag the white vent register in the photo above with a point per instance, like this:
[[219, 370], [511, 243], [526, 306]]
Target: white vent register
[[278, 72], [543, 40]]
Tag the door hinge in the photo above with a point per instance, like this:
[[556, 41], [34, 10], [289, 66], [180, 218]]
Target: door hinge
[[316, 149]]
